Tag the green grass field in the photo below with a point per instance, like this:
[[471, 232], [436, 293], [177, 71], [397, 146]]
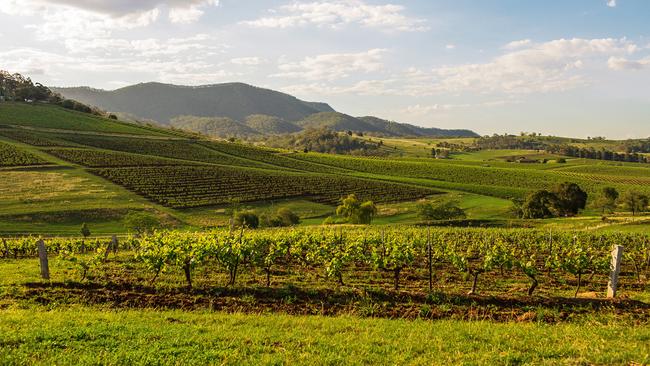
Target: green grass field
[[39, 336]]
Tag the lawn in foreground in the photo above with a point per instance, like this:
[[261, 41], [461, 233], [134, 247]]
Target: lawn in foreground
[[82, 335]]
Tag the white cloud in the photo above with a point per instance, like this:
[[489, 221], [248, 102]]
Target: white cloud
[[552, 66], [621, 63], [450, 46], [363, 87], [419, 110], [337, 13], [61, 19], [333, 66], [247, 61], [535, 68], [191, 13], [611, 3], [517, 44]]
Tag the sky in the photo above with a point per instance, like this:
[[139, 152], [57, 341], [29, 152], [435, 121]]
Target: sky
[[572, 68]]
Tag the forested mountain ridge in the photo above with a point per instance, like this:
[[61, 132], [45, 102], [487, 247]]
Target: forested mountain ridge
[[237, 110]]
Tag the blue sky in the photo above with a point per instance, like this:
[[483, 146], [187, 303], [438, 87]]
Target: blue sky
[[578, 68]]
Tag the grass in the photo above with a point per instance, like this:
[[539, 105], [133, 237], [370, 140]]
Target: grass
[[309, 212], [39, 336], [54, 117]]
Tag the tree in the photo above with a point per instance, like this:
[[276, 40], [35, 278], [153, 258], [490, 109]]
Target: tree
[[446, 211], [85, 231], [635, 202], [140, 222], [571, 199], [286, 217], [356, 212], [540, 205], [607, 200], [247, 219]]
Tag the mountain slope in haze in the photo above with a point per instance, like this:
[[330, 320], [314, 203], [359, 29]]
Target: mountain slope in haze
[[405, 129], [270, 124], [336, 121], [342, 122], [212, 126], [237, 109], [163, 102]]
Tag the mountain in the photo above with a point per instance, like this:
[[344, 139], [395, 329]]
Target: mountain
[[270, 124], [213, 126], [405, 129], [163, 102], [237, 109], [336, 121], [342, 122]]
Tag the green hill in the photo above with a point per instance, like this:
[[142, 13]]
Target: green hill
[[264, 124], [392, 128], [236, 109], [212, 126], [163, 102], [336, 121]]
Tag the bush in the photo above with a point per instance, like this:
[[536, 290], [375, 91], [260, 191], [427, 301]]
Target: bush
[[247, 219], [356, 212], [283, 217], [567, 199], [445, 211], [141, 222]]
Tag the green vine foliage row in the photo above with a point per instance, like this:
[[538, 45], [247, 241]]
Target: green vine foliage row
[[334, 251]]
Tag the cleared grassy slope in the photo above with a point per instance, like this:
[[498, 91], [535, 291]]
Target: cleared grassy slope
[[48, 116]]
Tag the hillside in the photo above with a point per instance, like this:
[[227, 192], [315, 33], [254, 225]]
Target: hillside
[[237, 110], [376, 126], [89, 164], [392, 128], [163, 102], [337, 122]]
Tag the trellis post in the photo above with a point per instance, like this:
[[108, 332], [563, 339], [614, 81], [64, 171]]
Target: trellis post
[[430, 255], [42, 256], [615, 269]]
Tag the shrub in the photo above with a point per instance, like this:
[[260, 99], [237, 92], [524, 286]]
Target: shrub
[[140, 222], [247, 219]]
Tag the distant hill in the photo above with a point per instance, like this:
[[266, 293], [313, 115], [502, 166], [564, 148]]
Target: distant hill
[[405, 129], [163, 102], [236, 109], [336, 121]]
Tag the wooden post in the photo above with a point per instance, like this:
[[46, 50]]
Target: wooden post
[[430, 255], [42, 255], [4, 242], [115, 244], [615, 269], [108, 250]]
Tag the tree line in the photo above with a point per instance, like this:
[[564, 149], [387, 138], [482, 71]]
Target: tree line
[[568, 199], [18, 88]]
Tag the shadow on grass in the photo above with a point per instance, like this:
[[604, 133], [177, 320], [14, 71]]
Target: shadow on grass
[[343, 301]]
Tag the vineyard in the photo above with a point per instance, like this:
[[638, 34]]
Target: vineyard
[[507, 180], [106, 158], [11, 156], [498, 263], [187, 186], [271, 157], [176, 149], [33, 138]]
